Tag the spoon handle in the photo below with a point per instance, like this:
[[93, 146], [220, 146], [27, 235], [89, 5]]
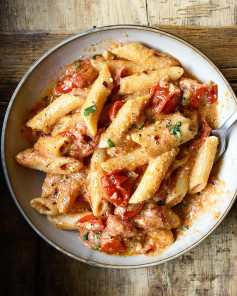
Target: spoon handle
[[229, 122]]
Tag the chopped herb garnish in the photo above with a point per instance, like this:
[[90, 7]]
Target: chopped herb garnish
[[126, 131], [130, 175], [175, 130], [168, 124], [95, 56], [142, 126], [110, 143], [77, 64], [96, 239], [153, 120], [105, 84], [88, 143], [85, 236], [185, 227], [48, 164], [89, 110], [183, 99]]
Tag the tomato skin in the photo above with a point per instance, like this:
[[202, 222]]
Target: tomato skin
[[70, 82], [117, 184], [81, 142], [132, 214], [90, 222], [200, 92], [114, 109], [205, 133], [113, 246], [162, 101]]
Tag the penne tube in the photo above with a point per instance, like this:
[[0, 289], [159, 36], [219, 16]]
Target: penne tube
[[60, 107], [180, 187], [176, 164], [95, 101], [129, 67], [126, 117], [67, 221], [143, 81], [129, 161], [55, 146], [98, 200], [32, 159], [146, 57], [71, 187], [203, 165], [44, 206], [161, 136], [153, 176], [50, 185]]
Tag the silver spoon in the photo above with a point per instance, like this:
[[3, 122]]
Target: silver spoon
[[221, 134]]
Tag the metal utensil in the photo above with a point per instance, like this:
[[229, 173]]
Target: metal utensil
[[221, 134]]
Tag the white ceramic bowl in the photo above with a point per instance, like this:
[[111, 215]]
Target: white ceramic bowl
[[24, 184]]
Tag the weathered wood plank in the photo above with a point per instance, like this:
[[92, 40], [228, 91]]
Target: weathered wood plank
[[192, 12], [19, 51], [18, 246], [71, 15]]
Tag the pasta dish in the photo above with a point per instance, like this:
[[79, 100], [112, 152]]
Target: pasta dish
[[123, 137]]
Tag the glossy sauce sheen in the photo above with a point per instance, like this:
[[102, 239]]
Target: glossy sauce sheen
[[126, 229]]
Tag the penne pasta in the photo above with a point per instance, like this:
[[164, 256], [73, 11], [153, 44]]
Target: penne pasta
[[32, 159], [67, 221], [126, 117], [153, 176], [203, 164], [180, 187], [146, 57], [60, 107], [94, 103], [98, 200], [127, 140], [163, 135], [143, 81], [129, 161], [55, 146], [44, 206]]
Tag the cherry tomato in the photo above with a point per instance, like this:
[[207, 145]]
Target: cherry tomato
[[113, 246], [117, 187], [113, 111]]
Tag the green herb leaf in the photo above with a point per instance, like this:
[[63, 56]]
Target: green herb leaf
[[95, 56], [183, 99], [96, 239], [141, 126], [175, 130], [153, 120], [110, 143], [77, 64], [130, 175], [89, 110], [185, 227], [85, 236], [168, 124], [48, 164]]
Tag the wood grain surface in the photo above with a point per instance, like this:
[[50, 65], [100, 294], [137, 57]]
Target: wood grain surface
[[29, 266]]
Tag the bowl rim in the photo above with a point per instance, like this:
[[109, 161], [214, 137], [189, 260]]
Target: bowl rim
[[11, 102]]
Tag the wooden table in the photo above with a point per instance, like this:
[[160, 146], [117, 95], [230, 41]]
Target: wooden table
[[29, 266]]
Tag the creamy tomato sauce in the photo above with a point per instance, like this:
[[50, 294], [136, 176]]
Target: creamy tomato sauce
[[150, 226]]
